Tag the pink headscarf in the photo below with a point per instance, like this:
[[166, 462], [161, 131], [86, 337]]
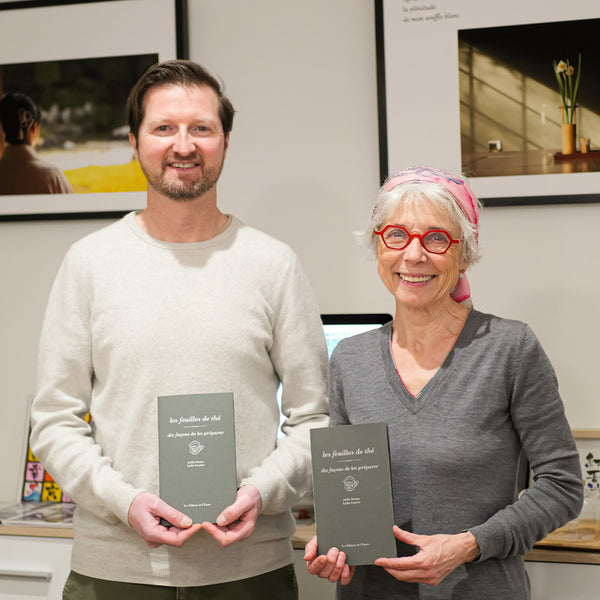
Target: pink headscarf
[[459, 190]]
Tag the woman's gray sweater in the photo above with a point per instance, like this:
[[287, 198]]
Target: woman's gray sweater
[[455, 449]]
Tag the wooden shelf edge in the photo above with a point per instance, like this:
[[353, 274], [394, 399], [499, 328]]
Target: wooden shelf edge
[[305, 532], [560, 555], [49, 532]]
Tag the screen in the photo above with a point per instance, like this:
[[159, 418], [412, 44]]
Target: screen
[[339, 326]]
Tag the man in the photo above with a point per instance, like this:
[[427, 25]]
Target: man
[[176, 299]]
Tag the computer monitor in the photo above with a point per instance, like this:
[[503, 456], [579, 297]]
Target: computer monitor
[[339, 326]]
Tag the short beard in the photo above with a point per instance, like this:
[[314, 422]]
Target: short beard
[[185, 191]]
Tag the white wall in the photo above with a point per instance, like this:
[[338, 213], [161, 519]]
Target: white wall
[[30, 254], [303, 166], [303, 160], [541, 266], [307, 114]]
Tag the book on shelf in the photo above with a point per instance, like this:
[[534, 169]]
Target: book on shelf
[[38, 514], [40, 502]]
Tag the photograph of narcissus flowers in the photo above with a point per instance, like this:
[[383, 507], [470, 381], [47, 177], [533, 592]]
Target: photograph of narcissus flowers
[[525, 91]]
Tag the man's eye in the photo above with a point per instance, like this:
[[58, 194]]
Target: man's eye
[[201, 130], [162, 128]]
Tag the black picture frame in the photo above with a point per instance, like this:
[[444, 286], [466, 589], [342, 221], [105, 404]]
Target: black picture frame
[[130, 21], [400, 65]]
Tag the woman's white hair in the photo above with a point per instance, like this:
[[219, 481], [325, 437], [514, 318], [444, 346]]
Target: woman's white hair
[[416, 193]]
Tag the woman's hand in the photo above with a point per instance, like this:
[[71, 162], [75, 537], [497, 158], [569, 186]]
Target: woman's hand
[[331, 566], [438, 556]]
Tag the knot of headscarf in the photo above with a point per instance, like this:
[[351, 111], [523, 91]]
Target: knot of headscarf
[[459, 190]]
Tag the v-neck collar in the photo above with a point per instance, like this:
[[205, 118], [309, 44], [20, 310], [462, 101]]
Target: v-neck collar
[[432, 389]]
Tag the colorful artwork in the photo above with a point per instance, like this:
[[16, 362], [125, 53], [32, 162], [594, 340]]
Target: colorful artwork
[[38, 484]]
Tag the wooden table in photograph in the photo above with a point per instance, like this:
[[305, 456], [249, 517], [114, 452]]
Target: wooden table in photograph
[[528, 162]]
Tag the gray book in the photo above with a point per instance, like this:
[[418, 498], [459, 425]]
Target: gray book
[[353, 491], [196, 451]]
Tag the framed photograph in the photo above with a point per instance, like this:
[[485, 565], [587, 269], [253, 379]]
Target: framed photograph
[[76, 70], [588, 444], [583, 532], [486, 90]]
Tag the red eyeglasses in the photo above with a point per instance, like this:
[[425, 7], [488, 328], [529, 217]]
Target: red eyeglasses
[[436, 241]]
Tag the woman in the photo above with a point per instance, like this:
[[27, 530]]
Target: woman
[[21, 169], [463, 393]]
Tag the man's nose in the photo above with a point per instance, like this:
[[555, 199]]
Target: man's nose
[[183, 142]]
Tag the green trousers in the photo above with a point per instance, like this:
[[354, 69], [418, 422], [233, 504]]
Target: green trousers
[[278, 585]]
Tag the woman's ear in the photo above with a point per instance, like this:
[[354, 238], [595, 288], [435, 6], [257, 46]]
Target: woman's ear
[[33, 134]]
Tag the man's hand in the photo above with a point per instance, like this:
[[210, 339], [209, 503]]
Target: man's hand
[[438, 556], [331, 566], [144, 516], [237, 521]]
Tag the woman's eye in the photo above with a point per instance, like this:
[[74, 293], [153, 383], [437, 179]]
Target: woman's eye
[[396, 234], [437, 237]]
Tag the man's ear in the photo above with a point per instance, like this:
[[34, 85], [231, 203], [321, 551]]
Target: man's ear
[[133, 143]]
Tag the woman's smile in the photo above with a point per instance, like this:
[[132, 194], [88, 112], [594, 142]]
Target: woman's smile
[[415, 278]]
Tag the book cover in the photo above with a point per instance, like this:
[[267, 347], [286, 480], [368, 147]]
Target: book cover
[[196, 444], [353, 491]]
